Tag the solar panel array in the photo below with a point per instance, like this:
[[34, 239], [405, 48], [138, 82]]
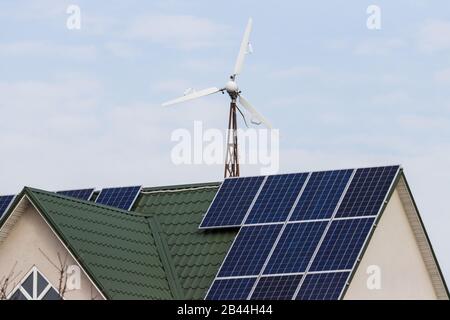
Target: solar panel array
[[122, 198], [300, 235], [5, 202], [81, 194]]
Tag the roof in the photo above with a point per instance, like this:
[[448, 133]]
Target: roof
[[118, 249], [195, 255], [156, 251], [159, 242]]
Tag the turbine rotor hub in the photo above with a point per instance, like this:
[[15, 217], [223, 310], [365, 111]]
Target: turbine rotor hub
[[231, 87]]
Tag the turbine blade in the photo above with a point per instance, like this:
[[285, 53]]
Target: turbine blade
[[244, 48], [193, 95], [253, 112]]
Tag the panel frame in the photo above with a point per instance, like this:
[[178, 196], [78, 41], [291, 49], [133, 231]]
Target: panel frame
[[90, 196], [325, 272], [132, 203], [9, 204], [388, 191], [344, 190], [225, 279], [294, 204], [231, 247], [246, 214], [255, 285], [363, 243]]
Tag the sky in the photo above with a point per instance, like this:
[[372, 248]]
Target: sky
[[82, 107]]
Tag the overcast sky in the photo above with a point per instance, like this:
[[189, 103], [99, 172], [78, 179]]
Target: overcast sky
[[81, 108]]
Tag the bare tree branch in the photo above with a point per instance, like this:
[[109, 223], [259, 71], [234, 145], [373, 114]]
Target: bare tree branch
[[5, 282], [61, 266]]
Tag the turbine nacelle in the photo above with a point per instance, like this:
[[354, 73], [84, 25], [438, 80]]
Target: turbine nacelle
[[231, 87]]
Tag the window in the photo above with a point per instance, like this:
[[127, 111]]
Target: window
[[34, 286]]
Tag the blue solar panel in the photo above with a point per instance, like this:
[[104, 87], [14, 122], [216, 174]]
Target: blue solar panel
[[231, 289], [321, 195], [295, 247], [276, 287], [250, 250], [323, 286], [314, 244], [81, 194], [367, 191], [232, 202], [5, 201], [342, 244], [276, 198], [122, 198]]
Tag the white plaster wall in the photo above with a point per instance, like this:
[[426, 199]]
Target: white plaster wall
[[394, 249], [28, 244]]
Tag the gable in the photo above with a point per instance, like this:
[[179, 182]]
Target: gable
[[398, 262], [31, 243]]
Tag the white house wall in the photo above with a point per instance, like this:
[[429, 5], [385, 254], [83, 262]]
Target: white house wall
[[393, 250]]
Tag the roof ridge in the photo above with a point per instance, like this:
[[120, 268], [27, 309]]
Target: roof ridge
[[176, 187], [90, 203]]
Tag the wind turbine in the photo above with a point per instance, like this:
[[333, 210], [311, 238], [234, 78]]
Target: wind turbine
[[231, 87]]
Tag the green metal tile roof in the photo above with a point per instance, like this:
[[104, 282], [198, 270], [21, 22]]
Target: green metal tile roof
[[120, 250], [155, 252], [195, 255]]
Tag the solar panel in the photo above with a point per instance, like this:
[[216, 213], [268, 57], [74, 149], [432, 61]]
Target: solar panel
[[231, 289], [367, 191], [276, 288], [122, 198], [232, 202], [276, 198], [342, 244], [249, 251], [81, 194], [5, 201], [295, 247], [321, 195], [303, 233], [322, 286]]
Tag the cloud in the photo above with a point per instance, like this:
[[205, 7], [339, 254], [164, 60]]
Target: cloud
[[379, 47], [178, 31], [35, 10], [64, 134], [299, 71], [173, 86], [434, 36], [122, 50], [206, 64], [34, 48], [442, 76], [395, 98], [44, 108], [422, 122], [98, 25]]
